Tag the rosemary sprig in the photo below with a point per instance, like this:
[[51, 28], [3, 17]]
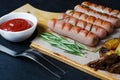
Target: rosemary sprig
[[61, 42]]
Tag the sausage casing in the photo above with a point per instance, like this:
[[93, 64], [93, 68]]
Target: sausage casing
[[99, 31], [73, 32], [93, 20], [114, 20]]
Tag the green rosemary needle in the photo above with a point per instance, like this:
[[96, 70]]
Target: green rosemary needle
[[61, 42]]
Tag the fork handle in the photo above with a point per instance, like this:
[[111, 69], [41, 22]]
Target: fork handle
[[44, 62]]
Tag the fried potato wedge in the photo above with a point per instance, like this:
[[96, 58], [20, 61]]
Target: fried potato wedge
[[110, 47], [118, 49], [111, 44]]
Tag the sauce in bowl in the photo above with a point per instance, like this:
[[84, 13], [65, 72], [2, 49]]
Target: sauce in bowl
[[15, 25]]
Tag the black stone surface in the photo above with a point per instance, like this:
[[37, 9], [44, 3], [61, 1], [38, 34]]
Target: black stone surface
[[24, 69]]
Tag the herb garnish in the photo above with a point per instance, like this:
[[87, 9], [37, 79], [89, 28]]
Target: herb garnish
[[61, 42]]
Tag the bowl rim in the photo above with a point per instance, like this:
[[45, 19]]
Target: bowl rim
[[9, 14]]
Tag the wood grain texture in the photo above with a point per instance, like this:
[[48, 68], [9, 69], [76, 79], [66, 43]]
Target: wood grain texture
[[43, 17]]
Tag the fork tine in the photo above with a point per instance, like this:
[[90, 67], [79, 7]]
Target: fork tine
[[7, 50], [35, 51], [44, 62], [37, 57]]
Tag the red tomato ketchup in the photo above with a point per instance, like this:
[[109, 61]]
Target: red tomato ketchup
[[15, 25]]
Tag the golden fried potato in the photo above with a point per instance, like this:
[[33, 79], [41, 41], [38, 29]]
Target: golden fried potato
[[118, 49], [111, 44], [110, 47]]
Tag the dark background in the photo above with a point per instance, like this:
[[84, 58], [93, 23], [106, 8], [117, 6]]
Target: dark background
[[24, 69]]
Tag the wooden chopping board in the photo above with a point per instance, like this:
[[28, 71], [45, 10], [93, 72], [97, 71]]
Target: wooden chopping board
[[43, 17]]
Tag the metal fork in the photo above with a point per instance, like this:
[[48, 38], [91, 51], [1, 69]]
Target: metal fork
[[37, 57]]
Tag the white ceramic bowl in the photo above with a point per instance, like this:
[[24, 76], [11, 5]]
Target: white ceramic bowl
[[19, 35]]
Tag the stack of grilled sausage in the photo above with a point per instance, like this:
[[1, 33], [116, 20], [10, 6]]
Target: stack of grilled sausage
[[87, 23]]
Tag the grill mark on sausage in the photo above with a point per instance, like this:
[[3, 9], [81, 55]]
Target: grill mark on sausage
[[85, 25], [108, 27], [73, 32], [109, 18], [101, 8]]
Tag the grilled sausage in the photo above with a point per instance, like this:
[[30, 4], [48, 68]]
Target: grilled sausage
[[99, 31], [93, 20], [114, 20], [101, 8], [73, 32]]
